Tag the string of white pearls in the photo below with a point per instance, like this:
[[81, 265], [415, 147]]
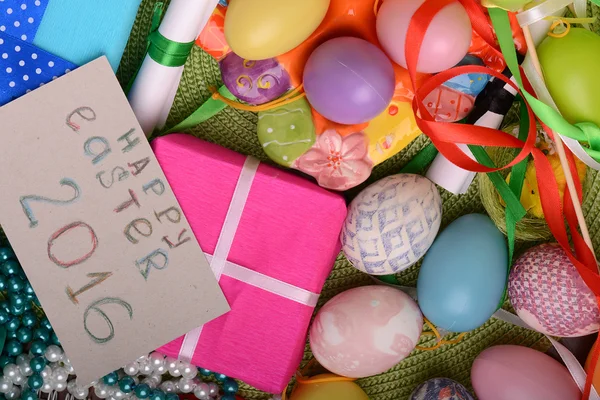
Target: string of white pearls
[[55, 374]]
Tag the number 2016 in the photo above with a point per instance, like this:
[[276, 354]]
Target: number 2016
[[26, 204]]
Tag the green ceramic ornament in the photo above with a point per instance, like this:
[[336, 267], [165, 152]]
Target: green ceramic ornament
[[511, 5], [570, 65], [286, 132]]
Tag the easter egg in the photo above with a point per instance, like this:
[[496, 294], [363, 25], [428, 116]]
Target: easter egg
[[446, 41], [349, 80], [255, 82], [510, 372], [321, 389], [588, 368], [286, 132], [440, 388], [261, 29], [573, 82], [548, 293], [463, 275], [391, 224], [365, 331]]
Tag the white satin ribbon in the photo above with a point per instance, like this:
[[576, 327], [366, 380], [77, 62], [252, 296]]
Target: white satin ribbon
[[220, 265], [541, 11]]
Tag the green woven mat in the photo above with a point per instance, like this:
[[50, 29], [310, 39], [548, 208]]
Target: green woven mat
[[237, 130]]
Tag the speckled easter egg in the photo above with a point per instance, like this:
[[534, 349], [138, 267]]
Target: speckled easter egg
[[255, 82], [286, 132], [365, 331], [440, 388], [548, 293], [391, 224]]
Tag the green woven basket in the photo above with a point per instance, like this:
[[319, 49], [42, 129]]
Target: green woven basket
[[237, 130]]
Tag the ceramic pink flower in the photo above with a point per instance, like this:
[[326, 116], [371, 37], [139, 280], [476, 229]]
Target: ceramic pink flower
[[337, 162]]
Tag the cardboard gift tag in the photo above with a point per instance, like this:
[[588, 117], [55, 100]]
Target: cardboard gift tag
[[96, 225]]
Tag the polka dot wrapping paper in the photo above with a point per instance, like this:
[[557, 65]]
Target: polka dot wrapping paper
[[25, 67]]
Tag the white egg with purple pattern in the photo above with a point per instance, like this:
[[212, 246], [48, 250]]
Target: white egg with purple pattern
[[391, 224]]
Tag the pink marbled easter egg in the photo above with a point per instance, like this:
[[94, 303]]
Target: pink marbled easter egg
[[365, 331], [549, 294]]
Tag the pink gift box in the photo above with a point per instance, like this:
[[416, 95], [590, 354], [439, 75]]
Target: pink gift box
[[289, 230]]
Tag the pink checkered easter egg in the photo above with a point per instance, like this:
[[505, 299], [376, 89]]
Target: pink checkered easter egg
[[365, 331], [548, 293]]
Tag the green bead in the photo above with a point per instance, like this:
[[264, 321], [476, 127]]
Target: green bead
[[228, 396], [36, 381], [17, 310], [142, 391], [15, 284], [11, 334], [42, 334], [28, 394], [28, 289], [221, 377], [18, 300], [230, 386], [10, 267], [38, 348], [24, 335], [5, 305], [111, 379], [46, 324], [14, 348], [6, 253], [29, 319], [5, 360], [205, 372], [126, 384], [172, 396], [4, 316], [54, 339], [2, 283], [158, 395], [38, 363], [13, 324]]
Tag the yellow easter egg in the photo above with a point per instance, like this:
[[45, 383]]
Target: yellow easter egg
[[323, 390], [261, 29]]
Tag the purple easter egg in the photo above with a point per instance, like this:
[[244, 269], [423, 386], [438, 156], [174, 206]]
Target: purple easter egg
[[349, 80], [255, 82], [548, 293]]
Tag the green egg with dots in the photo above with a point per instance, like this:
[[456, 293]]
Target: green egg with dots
[[286, 132]]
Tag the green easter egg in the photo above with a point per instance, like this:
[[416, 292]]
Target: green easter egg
[[570, 65], [286, 132]]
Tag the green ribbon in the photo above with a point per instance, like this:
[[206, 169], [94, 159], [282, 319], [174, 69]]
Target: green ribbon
[[582, 132], [419, 162], [206, 111]]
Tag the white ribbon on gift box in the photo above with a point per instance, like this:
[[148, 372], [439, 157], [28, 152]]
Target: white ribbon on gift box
[[575, 369], [220, 265]]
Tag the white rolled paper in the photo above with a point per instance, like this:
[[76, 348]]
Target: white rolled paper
[[154, 89]]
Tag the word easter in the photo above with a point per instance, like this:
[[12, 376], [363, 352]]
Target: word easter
[[96, 226]]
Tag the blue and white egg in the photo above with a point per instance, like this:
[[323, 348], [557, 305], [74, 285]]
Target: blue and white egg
[[391, 224]]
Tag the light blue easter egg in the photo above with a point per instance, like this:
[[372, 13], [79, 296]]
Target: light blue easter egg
[[464, 273]]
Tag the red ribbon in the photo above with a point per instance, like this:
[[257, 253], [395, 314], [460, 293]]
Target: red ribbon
[[446, 136]]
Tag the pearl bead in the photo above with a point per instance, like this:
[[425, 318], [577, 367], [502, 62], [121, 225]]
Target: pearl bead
[[156, 359], [46, 372], [142, 358], [213, 389], [59, 386], [101, 390], [60, 374], [156, 377], [71, 386], [168, 386], [25, 368], [189, 371], [53, 353], [161, 370], [19, 379], [171, 362], [11, 370], [14, 393], [186, 385], [175, 370], [150, 382], [119, 394], [202, 391], [131, 368], [5, 384], [47, 387]]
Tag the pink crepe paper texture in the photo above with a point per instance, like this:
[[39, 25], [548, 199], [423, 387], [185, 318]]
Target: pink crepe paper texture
[[289, 230]]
